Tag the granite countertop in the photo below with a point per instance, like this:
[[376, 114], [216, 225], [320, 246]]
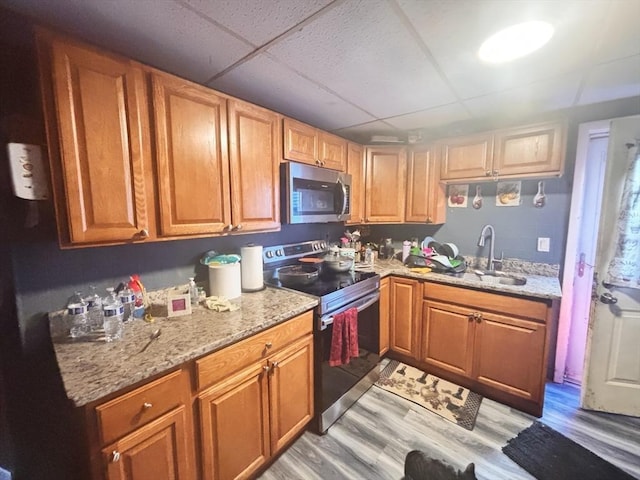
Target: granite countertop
[[91, 370], [537, 286]]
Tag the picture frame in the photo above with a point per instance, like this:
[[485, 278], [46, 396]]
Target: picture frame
[[178, 304]]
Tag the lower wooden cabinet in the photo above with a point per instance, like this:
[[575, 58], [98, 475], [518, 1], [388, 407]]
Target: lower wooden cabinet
[[496, 343], [252, 415], [404, 315]]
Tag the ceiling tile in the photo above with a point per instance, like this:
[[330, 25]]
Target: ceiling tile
[[163, 34], [275, 17], [453, 31], [363, 132], [527, 100], [361, 51], [266, 82], [433, 117], [620, 32], [618, 79]]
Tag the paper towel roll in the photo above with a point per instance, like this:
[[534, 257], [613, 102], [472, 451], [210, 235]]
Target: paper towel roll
[[251, 268], [224, 280]]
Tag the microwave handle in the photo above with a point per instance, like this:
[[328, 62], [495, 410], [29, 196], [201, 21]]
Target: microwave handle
[[361, 305], [344, 196]]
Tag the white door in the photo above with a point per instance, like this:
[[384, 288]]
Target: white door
[[612, 364]]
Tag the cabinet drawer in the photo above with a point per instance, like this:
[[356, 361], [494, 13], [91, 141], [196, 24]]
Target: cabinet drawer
[[496, 302], [218, 365], [124, 414]]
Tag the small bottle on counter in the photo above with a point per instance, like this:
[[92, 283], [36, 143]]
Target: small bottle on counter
[[193, 291], [113, 316], [94, 308], [128, 300], [77, 316]]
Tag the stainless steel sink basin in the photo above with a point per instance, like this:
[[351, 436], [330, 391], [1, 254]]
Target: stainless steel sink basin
[[500, 277]]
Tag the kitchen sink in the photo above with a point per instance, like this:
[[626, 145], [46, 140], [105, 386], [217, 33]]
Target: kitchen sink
[[500, 277]]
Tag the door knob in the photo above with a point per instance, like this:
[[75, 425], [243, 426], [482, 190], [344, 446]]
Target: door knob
[[608, 299]]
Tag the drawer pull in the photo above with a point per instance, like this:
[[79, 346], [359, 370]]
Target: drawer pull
[[115, 456], [147, 405], [268, 345], [266, 368]]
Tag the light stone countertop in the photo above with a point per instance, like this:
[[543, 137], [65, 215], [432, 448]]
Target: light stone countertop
[[537, 286], [91, 370]]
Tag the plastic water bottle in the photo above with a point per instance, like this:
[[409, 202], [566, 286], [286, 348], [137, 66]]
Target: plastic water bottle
[[128, 300], [113, 316], [77, 317], [193, 291], [94, 307]]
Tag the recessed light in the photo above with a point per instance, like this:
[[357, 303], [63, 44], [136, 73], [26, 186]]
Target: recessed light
[[515, 41]]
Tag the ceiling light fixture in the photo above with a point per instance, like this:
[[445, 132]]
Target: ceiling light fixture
[[515, 41]]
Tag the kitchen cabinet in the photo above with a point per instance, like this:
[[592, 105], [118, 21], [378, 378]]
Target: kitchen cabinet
[[95, 107], [426, 196], [307, 144], [494, 344], [528, 151], [255, 143], [192, 158], [148, 432], [386, 179], [384, 315], [356, 168], [404, 315], [260, 397]]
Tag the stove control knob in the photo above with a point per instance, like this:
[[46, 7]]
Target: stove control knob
[[316, 246], [279, 252], [323, 245], [269, 253]]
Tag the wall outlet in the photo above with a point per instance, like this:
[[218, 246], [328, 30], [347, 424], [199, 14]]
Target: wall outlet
[[543, 244]]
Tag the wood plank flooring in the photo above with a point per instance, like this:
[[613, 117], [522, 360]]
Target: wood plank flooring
[[371, 440]]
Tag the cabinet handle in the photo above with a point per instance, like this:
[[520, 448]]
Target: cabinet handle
[[487, 173], [268, 345], [147, 405], [230, 227], [471, 317], [274, 365], [144, 233], [115, 456], [266, 368], [238, 227], [478, 317]]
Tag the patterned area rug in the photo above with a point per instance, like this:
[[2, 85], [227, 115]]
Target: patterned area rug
[[452, 402], [549, 455]]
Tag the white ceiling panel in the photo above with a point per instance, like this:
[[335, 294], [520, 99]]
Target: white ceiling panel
[[618, 79], [527, 100], [364, 131], [361, 51], [433, 117], [453, 31], [621, 28], [277, 87], [258, 21]]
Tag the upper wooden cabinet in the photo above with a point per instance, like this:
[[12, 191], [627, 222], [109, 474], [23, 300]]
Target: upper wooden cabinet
[[255, 139], [307, 144], [356, 168], [528, 151], [386, 179], [192, 159], [97, 124], [426, 198]]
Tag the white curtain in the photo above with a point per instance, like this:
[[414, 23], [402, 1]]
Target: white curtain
[[624, 269]]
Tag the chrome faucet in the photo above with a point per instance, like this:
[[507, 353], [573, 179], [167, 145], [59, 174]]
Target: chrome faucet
[[492, 237]]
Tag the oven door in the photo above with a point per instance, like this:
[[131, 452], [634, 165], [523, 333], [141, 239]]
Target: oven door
[[337, 388]]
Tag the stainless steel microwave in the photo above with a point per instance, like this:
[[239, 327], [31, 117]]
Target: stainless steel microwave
[[315, 194]]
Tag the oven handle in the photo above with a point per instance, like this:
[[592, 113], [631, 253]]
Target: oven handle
[[361, 304], [344, 197]]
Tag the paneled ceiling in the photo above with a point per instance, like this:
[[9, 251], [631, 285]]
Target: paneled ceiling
[[363, 67]]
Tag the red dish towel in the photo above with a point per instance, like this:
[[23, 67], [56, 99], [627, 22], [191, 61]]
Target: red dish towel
[[344, 339]]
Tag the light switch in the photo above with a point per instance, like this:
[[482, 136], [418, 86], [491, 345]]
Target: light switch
[[543, 244]]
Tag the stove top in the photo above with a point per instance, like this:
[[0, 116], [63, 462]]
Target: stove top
[[328, 283]]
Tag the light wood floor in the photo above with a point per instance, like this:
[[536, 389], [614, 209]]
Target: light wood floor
[[371, 440]]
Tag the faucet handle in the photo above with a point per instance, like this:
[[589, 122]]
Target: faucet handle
[[499, 261]]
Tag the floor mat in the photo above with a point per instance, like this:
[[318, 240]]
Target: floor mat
[[452, 402], [549, 455]]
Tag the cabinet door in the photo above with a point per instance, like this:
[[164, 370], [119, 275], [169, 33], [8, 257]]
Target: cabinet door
[[254, 154], [234, 425], [386, 183], [332, 151], [426, 198], [405, 315], [466, 158], [100, 110], [384, 316], [162, 449], [356, 167], [510, 355], [300, 142], [290, 392], [447, 337], [192, 158], [530, 151]]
